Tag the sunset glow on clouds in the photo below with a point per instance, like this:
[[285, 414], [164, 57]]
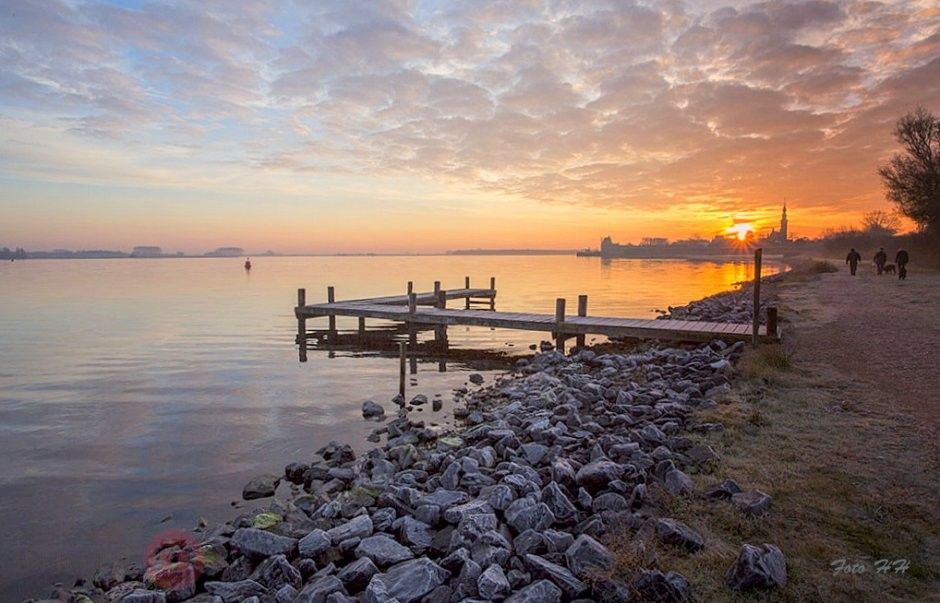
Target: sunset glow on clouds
[[353, 125]]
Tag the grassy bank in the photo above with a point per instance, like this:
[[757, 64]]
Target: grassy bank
[[851, 471]]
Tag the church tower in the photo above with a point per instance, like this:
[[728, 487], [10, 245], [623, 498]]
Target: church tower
[[784, 232]]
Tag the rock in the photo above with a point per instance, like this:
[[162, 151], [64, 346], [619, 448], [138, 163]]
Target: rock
[[586, 554], [751, 503], [723, 491], [610, 590], [542, 591], [261, 487], [610, 501], [565, 580], [144, 596], [676, 533], [534, 517], [234, 592], [475, 378], [596, 475], [701, 453], [653, 585], [370, 409], [286, 594], [275, 572], [761, 566], [678, 483], [176, 580], [409, 581], [382, 550], [559, 504], [321, 588], [294, 472], [356, 576], [259, 544], [314, 543], [359, 526], [416, 533], [493, 584], [474, 507]]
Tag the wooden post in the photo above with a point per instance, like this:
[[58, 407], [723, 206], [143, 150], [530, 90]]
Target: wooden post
[[772, 321], [302, 325], [412, 302], [362, 326], [437, 288], [402, 354], [559, 322], [493, 289], [412, 330], [755, 334], [411, 287], [466, 285], [582, 311], [440, 331], [330, 298]]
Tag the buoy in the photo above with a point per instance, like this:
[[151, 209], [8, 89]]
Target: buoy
[[248, 264]]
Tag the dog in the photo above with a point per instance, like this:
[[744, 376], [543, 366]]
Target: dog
[[889, 269]]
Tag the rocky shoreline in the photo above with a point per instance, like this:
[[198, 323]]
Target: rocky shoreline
[[553, 460]]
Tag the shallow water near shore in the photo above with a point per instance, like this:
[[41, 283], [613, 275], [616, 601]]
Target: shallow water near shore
[[139, 395]]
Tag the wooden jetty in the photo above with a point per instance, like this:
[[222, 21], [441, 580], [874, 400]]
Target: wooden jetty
[[429, 310]]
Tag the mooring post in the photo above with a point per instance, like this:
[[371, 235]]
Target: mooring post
[[402, 354], [330, 298], [440, 331], [755, 331], [411, 287], [437, 288], [412, 302], [493, 289], [412, 328], [362, 327], [559, 322], [302, 324], [772, 321], [582, 311], [466, 285]]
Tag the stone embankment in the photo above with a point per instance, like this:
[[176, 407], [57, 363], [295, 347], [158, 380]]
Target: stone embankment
[[552, 460]]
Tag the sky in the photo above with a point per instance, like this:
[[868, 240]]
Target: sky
[[410, 125]]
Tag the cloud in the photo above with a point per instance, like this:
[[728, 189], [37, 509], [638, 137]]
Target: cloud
[[611, 103]]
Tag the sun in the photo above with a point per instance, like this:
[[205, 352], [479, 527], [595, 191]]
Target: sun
[[741, 230]]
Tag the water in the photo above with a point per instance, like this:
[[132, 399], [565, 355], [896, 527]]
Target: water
[[139, 395]]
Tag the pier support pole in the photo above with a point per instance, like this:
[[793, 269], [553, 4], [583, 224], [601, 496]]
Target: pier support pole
[[582, 311], [412, 329], [466, 285], [437, 289], [755, 331], [362, 327], [330, 298], [411, 287], [402, 354], [440, 331], [559, 322], [772, 321], [302, 324], [493, 289]]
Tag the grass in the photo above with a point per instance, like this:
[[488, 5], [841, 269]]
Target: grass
[[849, 480]]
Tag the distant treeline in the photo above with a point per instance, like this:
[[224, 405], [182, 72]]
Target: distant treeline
[[15, 254]]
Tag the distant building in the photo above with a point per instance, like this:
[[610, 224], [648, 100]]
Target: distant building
[[782, 235], [225, 252], [145, 251]]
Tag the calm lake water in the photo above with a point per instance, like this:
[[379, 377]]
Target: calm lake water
[[139, 395]]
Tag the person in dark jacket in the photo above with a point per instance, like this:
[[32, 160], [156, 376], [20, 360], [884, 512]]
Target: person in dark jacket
[[852, 260], [881, 259], [901, 259]]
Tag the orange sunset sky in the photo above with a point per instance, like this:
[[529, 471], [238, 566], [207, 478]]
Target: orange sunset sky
[[414, 125]]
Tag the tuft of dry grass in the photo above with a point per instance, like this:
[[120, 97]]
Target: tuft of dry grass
[[766, 362]]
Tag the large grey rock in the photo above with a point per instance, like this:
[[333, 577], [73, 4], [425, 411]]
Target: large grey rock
[[409, 581], [359, 526], [356, 576], [261, 487], [274, 572], [382, 550], [563, 578], [259, 544], [751, 503], [596, 475], [234, 592], [653, 585], [474, 507], [144, 596], [558, 502], [314, 543], [524, 517], [586, 554], [676, 533], [610, 501], [493, 584], [542, 591], [416, 533], [678, 483], [370, 409], [723, 491], [321, 588], [761, 566]]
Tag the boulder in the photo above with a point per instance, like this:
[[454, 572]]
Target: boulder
[[359, 526], [723, 491], [409, 581], [563, 578], [259, 544], [678, 483], [761, 566], [586, 554], [314, 543], [676, 533], [751, 503], [493, 584], [370, 409], [356, 576], [261, 487], [542, 591], [383, 550], [321, 588], [234, 592], [274, 572], [596, 475], [653, 585]]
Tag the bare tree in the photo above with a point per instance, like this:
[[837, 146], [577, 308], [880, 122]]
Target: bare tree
[[912, 179], [880, 222]]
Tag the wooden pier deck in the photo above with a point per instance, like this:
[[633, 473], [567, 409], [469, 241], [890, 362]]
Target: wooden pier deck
[[429, 310]]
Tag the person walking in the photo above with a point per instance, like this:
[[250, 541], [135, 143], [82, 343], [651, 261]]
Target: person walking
[[852, 260], [901, 259], [881, 259]]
